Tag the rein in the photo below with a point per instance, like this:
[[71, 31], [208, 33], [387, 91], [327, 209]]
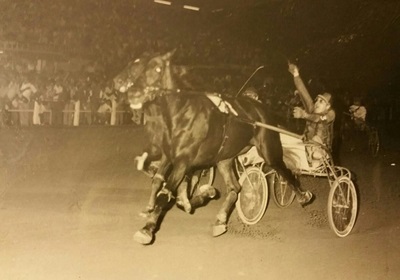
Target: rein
[[159, 92]]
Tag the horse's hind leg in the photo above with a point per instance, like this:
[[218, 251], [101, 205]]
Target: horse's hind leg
[[273, 156], [206, 192], [182, 196], [303, 197], [233, 188], [200, 194]]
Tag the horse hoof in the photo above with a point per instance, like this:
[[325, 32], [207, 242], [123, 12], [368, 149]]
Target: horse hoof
[[219, 230], [186, 206], [208, 190], [306, 198], [143, 237]]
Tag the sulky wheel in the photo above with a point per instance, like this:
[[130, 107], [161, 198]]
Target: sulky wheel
[[253, 198], [342, 206], [282, 193]]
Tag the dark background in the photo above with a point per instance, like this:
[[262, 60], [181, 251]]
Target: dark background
[[350, 45], [349, 48]]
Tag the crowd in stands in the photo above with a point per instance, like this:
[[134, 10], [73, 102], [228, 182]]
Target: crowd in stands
[[28, 97], [109, 34], [111, 31]]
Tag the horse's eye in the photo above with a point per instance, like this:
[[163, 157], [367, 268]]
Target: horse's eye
[[158, 69]]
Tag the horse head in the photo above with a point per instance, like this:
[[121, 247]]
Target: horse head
[[145, 78], [128, 76]]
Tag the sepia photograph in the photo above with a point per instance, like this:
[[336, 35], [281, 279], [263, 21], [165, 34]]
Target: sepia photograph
[[199, 139]]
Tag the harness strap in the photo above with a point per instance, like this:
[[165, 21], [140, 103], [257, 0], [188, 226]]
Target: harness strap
[[225, 137]]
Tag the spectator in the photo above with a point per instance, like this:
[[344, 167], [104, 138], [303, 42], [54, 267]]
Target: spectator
[[3, 96], [27, 89], [358, 113], [69, 107], [13, 100], [58, 103], [38, 110], [104, 112]]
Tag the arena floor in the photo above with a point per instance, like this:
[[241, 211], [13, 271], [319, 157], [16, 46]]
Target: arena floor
[[70, 198]]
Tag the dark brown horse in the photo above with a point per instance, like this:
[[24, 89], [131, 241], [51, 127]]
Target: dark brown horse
[[198, 133], [154, 128]]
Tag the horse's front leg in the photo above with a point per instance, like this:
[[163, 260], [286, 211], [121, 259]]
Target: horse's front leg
[[156, 184], [150, 159], [146, 234], [233, 188]]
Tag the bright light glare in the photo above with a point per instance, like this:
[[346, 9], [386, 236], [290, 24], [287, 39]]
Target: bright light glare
[[162, 2], [193, 8]]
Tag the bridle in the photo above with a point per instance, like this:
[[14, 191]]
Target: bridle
[[152, 91]]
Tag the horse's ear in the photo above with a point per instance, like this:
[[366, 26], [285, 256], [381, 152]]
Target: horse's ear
[[168, 55]]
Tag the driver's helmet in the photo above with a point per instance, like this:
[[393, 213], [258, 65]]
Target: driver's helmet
[[251, 92]]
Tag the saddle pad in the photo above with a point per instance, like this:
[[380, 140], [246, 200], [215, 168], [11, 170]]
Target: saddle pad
[[222, 105]]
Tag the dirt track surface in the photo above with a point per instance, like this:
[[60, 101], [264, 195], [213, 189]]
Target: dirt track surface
[[70, 198]]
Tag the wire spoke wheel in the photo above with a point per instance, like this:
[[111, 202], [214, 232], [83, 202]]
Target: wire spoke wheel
[[342, 206], [253, 198], [282, 194]]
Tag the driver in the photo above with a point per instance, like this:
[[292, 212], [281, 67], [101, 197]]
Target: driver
[[319, 117]]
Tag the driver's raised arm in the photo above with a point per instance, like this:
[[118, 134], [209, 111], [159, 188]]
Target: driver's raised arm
[[304, 94]]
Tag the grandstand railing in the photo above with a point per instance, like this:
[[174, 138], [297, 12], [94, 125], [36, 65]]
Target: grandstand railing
[[76, 115]]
